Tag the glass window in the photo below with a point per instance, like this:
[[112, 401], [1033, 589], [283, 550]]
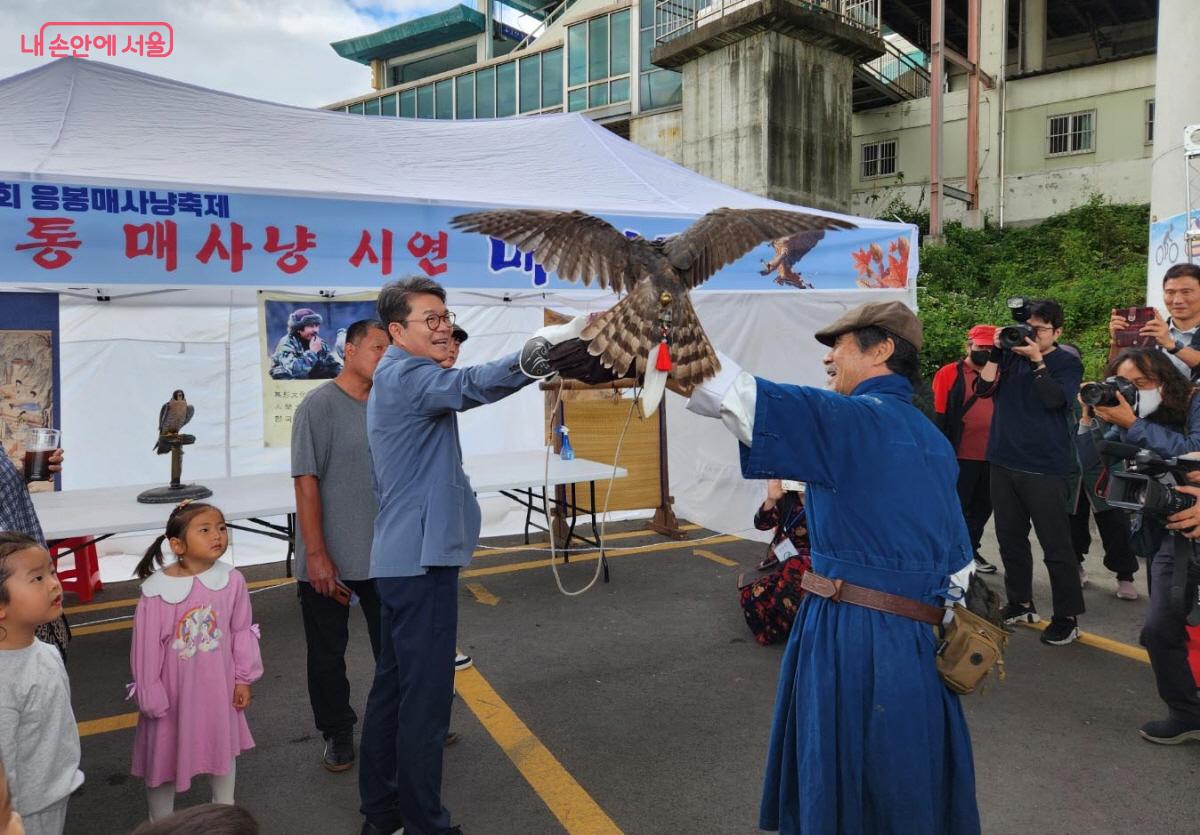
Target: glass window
[[660, 88], [444, 98], [620, 43], [464, 96], [387, 105], [506, 89], [645, 47], [463, 56], [357, 107], [531, 83], [577, 54], [485, 93], [598, 48], [878, 159], [425, 102], [577, 100], [619, 90], [598, 94], [1071, 133], [371, 107], [408, 103], [552, 78]]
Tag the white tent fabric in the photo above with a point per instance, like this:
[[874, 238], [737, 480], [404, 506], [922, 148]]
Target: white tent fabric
[[87, 122]]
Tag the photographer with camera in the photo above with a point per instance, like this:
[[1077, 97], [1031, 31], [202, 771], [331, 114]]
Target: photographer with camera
[[1179, 335], [1147, 403], [1033, 385]]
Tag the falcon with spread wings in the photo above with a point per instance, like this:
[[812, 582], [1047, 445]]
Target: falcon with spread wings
[[654, 325]]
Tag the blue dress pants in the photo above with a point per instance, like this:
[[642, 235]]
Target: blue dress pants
[[408, 711]]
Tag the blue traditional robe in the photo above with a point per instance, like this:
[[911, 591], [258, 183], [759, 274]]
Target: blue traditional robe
[[866, 738]]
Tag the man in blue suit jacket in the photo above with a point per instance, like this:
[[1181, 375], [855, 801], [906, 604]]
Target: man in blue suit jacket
[[427, 528]]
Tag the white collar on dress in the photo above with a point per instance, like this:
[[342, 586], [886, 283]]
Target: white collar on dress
[[176, 589]]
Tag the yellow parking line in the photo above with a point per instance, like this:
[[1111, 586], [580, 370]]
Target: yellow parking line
[[108, 723], [130, 602], [1089, 639], [490, 570], [482, 595], [566, 799], [717, 558], [590, 556], [609, 537]]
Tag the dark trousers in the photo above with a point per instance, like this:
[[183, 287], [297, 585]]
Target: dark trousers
[[975, 496], [408, 711], [1165, 638], [1019, 498], [326, 632], [1113, 525]]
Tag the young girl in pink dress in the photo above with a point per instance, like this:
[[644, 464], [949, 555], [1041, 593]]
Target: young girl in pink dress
[[195, 655]]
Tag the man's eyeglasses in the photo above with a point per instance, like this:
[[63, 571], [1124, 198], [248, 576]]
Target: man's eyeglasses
[[1040, 328], [432, 320]]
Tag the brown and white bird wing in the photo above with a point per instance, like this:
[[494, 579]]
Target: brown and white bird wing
[[575, 245], [724, 235], [187, 417]]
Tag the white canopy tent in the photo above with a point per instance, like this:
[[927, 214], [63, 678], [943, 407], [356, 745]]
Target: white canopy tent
[[90, 124]]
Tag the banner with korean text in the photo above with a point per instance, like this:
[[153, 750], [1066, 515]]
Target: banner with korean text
[[85, 234]]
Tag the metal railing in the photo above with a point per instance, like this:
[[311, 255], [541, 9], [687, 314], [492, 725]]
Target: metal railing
[[673, 18], [546, 23], [904, 74]]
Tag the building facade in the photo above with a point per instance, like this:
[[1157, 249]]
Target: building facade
[[1069, 113]]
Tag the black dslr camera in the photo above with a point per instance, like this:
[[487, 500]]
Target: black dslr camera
[[1105, 394], [1015, 335]]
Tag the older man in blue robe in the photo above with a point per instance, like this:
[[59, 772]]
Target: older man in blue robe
[[866, 738]]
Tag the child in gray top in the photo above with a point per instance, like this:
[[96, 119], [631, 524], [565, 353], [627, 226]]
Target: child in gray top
[[39, 741]]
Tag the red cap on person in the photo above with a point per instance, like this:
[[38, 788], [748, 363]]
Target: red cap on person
[[983, 335]]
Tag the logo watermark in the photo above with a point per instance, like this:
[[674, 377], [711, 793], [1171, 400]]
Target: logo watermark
[[82, 39]]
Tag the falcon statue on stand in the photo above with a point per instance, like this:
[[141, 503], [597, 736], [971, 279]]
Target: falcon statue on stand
[[654, 328], [172, 417]]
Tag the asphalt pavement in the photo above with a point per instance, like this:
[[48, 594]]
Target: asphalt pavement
[[643, 706]]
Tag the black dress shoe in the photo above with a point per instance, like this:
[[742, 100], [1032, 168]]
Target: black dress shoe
[[369, 828], [339, 752]]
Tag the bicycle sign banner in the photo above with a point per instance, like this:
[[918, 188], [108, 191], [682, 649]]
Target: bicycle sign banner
[[1169, 245]]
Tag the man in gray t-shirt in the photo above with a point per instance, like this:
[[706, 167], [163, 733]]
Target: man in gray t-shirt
[[336, 506]]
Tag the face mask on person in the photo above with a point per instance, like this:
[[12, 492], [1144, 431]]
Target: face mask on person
[[980, 357], [1148, 401]]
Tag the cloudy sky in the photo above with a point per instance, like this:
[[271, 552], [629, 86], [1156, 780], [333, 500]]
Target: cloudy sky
[[269, 49]]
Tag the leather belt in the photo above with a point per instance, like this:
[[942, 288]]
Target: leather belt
[[840, 591]]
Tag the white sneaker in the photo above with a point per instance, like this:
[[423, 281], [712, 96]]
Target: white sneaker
[[462, 662], [1126, 590]]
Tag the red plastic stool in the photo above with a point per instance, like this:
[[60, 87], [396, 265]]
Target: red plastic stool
[[84, 579]]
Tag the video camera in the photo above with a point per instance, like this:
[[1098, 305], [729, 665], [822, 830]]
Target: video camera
[[1105, 394], [1146, 487], [1015, 335]]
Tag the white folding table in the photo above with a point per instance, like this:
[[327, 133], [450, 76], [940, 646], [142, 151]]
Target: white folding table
[[521, 476]]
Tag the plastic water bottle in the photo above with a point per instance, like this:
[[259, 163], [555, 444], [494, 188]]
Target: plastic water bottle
[[566, 453]]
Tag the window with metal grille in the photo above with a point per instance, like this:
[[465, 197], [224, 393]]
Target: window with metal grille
[[1071, 133], [879, 159], [1149, 121]]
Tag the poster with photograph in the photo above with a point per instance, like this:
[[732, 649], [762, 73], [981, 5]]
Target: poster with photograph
[[28, 372], [303, 342]]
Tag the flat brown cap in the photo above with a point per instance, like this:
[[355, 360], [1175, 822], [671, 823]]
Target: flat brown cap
[[893, 317]]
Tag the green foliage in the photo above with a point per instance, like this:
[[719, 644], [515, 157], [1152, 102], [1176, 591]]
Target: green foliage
[[1090, 259]]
